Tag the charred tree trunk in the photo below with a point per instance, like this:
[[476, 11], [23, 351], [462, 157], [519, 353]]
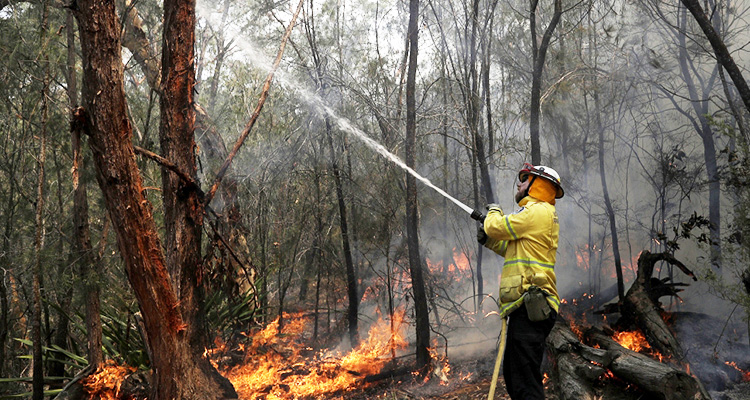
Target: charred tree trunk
[[473, 106], [178, 373], [412, 218], [351, 279], [540, 54], [608, 202], [642, 305]]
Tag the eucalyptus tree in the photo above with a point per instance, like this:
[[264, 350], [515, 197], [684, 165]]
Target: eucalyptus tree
[[36, 315], [692, 77], [723, 56], [464, 37], [539, 55], [170, 317], [322, 84]]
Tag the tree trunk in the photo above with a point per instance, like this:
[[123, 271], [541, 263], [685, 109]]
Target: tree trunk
[[641, 306], [540, 55], [87, 260], [608, 202], [699, 103], [412, 218], [582, 369], [36, 332], [352, 313], [720, 50], [351, 279], [574, 373], [221, 51], [178, 374]]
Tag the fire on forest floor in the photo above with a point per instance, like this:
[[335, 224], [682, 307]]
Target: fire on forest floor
[[279, 364]]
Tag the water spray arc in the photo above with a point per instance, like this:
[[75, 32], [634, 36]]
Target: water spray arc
[[261, 60], [346, 126]]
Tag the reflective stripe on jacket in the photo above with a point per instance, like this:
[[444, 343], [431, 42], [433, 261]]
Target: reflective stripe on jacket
[[528, 241]]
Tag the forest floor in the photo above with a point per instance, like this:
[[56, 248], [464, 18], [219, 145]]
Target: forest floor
[[467, 380], [470, 380]]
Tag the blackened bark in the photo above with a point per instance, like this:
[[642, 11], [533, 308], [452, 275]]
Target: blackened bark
[[540, 55], [608, 202], [412, 218], [640, 306], [351, 279], [473, 104], [183, 204]]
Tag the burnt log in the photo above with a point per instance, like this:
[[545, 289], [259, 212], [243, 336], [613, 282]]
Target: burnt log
[[575, 373], [392, 373], [595, 365], [641, 308], [660, 380]]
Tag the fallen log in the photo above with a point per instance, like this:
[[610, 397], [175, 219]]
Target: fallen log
[[658, 379], [574, 373], [392, 373]]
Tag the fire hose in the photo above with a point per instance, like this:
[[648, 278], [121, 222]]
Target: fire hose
[[499, 359]]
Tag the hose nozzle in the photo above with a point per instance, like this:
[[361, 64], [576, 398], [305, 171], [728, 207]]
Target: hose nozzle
[[478, 216]]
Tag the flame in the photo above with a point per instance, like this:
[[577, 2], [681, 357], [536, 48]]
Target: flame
[[106, 381], [460, 266], [745, 374], [279, 366], [440, 366], [633, 340]]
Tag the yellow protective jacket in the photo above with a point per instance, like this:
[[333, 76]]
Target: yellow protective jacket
[[528, 241]]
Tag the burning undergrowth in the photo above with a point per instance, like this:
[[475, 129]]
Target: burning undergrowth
[[106, 381], [279, 363]]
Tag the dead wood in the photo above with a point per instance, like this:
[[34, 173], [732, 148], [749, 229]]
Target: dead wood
[[642, 308], [392, 373], [576, 371], [654, 377]]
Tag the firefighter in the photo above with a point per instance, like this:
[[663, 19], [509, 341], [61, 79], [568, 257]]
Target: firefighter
[[527, 239]]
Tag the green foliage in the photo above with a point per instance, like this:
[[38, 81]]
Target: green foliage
[[225, 314]]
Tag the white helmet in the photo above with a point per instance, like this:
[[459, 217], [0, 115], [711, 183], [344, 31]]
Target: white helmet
[[544, 172]]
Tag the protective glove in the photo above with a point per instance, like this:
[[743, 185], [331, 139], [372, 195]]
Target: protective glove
[[481, 235], [494, 207]]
